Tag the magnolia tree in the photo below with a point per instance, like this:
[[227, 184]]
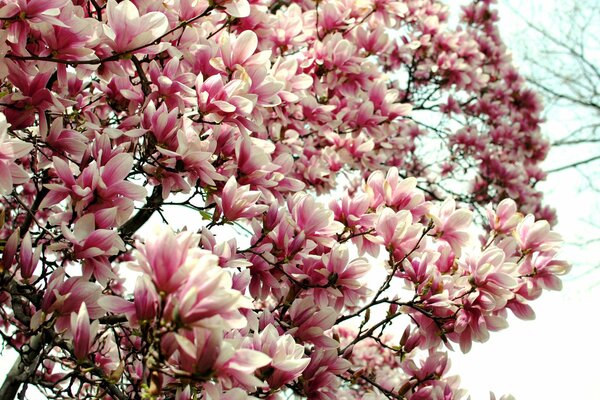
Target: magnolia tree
[[357, 146]]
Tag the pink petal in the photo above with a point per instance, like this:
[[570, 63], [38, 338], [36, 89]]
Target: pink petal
[[117, 168]]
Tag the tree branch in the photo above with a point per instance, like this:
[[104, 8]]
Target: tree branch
[[573, 165], [23, 368], [153, 203]]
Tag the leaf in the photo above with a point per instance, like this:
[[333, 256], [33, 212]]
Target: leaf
[[206, 215]]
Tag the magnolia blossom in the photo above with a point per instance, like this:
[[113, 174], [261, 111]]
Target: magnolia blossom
[[11, 149], [238, 202], [233, 123], [84, 333], [130, 31], [206, 298]]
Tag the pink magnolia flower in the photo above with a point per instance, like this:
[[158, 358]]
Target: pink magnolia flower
[[104, 185], [89, 242], [72, 42], [121, 94], [534, 235], [206, 298], [164, 258], [64, 297], [392, 228], [254, 162], [11, 149], [343, 276], [239, 52], [226, 251], [287, 357], [10, 249], [84, 333], [219, 101], [129, 31], [142, 309], [66, 140], [162, 124], [320, 376], [28, 259], [27, 13], [428, 381], [203, 353], [310, 323], [451, 224], [505, 218], [353, 211], [395, 193], [541, 271], [193, 352], [236, 367], [492, 278], [313, 219], [288, 72], [174, 85], [31, 97], [238, 202], [235, 8], [473, 324]]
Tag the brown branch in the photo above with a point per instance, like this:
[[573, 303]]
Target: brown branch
[[23, 368], [574, 165], [153, 203]]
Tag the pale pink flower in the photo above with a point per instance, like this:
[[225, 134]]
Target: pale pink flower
[[287, 357], [344, 277], [72, 42], [541, 271], [84, 333], [237, 366], [238, 202], [219, 101], [238, 52], [254, 162], [66, 140], [226, 251], [130, 31], [206, 298], [10, 249], [399, 194], [89, 242], [64, 297], [174, 85], [451, 225], [193, 352], [320, 376], [164, 257], [162, 124], [313, 219], [28, 259], [104, 185], [288, 72], [492, 279], [11, 149], [505, 218], [310, 323], [391, 227], [144, 305], [535, 235], [473, 324]]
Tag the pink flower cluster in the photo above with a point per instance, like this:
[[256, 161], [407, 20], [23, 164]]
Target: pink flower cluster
[[245, 112]]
